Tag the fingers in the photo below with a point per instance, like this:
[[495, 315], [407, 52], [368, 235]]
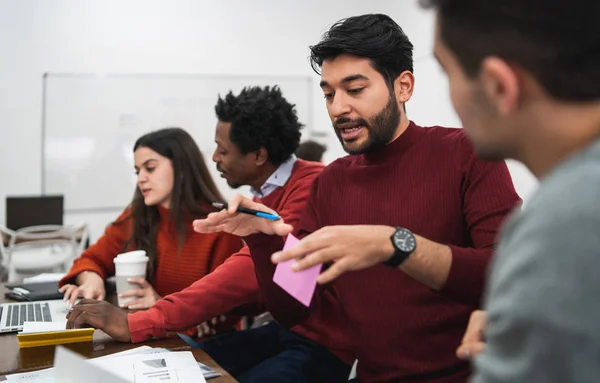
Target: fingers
[[334, 271], [72, 317], [137, 304], [235, 202], [74, 296], [64, 288], [85, 302], [88, 294], [209, 224], [282, 229], [472, 343], [240, 200], [205, 330], [71, 293], [324, 255], [470, 351], [307, 245], [139, 281], [83, 306], [216, 320], [133, 293], [87, 319], [476, 327]]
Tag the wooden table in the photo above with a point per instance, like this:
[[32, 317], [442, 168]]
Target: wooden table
[[15, 360]]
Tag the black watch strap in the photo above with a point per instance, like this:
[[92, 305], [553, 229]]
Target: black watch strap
[[399, 256]]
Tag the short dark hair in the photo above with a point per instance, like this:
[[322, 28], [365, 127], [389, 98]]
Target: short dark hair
[[261, 117], [557, 41], [373, 36], [311, 151]]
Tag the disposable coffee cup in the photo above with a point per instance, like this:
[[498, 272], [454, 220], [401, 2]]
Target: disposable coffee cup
[[129, 265]]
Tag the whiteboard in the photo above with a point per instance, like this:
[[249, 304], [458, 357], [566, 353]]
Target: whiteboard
[[91, 122]]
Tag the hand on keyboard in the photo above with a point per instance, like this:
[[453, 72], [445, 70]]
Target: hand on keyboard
[[90, 286]]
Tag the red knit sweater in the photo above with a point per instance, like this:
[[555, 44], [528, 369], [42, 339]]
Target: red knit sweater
[[200, 255], [429, 181], [234, 284]]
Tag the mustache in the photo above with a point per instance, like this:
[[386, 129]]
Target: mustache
[[346, 120]]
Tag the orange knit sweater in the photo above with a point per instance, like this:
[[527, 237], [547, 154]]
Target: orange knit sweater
[[200, 255]]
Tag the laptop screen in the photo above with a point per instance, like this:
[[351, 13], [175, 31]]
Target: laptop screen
[[32, 211]]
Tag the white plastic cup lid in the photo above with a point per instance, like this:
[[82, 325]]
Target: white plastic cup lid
[[131, 254]]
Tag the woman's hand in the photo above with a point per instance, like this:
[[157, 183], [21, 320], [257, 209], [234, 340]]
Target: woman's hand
[[89, 285], [146, 296]]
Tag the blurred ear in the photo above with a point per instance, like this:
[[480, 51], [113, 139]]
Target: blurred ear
[[500, 83], [262, 156], [404, 86]]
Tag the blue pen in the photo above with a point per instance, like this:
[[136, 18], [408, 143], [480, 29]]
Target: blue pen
[[240, 209]]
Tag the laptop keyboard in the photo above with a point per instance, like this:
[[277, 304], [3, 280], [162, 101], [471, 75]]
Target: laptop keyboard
[[30, 312]]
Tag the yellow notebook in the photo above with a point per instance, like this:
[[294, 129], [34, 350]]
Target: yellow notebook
[[55, 337]]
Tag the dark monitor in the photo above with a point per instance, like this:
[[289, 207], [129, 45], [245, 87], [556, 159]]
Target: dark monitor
[[32, 211]]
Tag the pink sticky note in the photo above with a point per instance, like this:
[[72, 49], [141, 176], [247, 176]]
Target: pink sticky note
[[299, 284]]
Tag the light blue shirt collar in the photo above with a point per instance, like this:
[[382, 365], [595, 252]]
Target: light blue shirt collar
[[279, 177]]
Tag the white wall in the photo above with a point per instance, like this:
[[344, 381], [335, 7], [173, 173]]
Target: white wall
[[143, 36], [174, 36]]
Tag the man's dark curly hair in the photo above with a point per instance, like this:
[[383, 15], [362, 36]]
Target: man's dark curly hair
[[261, 117]]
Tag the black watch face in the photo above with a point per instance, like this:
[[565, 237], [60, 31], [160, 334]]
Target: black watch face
[[405, 241]]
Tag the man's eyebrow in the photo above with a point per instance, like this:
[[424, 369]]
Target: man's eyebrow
[[347, 79]]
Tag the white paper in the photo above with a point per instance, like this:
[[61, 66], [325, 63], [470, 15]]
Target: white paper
[[40, 376], [135, 365], [207, 372], [178, 367], [47, 375], [73, 368], [34, 327], [44, 277], [126, 352]]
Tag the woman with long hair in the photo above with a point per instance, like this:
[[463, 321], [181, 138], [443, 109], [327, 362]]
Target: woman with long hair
[[174, 187]]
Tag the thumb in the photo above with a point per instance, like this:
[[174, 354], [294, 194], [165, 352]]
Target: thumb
[[88, 294], [138, 281], [283, 229], [235, 202]]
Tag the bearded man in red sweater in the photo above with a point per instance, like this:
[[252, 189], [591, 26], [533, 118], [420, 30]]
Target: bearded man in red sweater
[[440, 207]]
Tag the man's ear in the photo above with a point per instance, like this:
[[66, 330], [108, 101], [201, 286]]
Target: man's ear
[[500, 83], [262, 156], [404, 86]]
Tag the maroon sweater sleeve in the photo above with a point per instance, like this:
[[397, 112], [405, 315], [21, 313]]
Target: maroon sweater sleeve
[[284, 308], [488, 197], [230, 286]]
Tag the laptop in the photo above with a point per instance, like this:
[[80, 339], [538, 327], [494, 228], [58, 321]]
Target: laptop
[[12, 315], [28, 211]]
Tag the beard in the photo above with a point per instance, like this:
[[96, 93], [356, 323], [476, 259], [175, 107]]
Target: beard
[[230, 183], [381, 128], [234, 186]]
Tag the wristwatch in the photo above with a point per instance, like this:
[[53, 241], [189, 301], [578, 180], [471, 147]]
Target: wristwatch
[[404, 243]]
